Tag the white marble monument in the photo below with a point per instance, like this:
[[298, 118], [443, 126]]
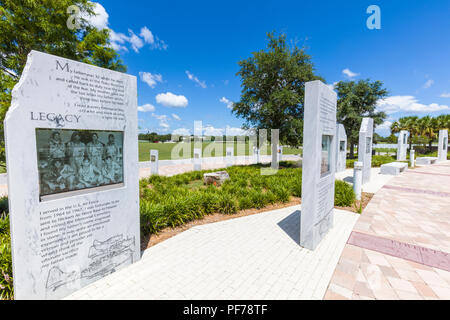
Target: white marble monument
[[154, 160], [72, 160], [443, 145], [319, 162], [365, 148], [197, 159], [341, 154], [402, 145]]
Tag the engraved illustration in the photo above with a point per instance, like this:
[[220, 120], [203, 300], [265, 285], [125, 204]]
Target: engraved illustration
[[105, 257]]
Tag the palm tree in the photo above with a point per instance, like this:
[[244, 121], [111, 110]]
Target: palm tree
[[427, 128], [443, 121], [409, 124]]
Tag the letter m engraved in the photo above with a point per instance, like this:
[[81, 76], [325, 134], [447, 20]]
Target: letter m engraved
[[59, 66]]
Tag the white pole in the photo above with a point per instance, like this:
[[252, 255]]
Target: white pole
[[357, 179], [411, 158]]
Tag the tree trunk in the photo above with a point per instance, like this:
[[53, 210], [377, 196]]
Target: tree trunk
[[352, 150], [410, 141], [430, 145]]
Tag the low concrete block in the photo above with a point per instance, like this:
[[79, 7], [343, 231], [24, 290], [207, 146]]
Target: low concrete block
[[426, 160], [393, 168]]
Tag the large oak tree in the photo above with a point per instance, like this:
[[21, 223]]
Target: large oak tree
[[273, 86], [357, 100]]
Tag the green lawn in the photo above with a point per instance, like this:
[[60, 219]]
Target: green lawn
[[165, 149]]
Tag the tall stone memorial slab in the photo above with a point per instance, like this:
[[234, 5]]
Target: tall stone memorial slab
[[319, 162], [365, 148], [443, 145], [72, 159], [341, 153], [402, 145]]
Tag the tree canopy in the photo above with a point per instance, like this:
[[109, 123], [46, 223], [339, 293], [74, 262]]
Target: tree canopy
[[42, 25], [272, 94], [426, 127], [357, 100]]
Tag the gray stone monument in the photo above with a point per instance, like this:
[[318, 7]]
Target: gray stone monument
[[73, 179], [365, 148], [229, 158], [402, 145], [319, 152], [197, 159], [443, 145], [341, 154], [154, 160]]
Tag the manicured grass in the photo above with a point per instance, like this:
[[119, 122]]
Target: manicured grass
[[165, 150]]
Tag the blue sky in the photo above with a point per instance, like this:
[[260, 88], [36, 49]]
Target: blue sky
[[185, 53]]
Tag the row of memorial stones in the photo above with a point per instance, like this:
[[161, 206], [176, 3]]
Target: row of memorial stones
[[62, 244], [197, 160], [402, 146]]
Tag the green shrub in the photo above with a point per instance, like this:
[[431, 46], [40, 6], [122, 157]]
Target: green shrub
[[245, 203], [6, 281], [227, 204], [344, 196]]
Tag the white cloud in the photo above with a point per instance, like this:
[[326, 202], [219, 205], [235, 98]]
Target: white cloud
[[396, 104], [445, 95], [176, 117], [349, 73], [428, 84], [150, 79], [147, 35], [385, 125], [119, 40], [384, 129], [182, 132], [227, 102], [146, 108], [100, 19], [210, 130], [331, 86], [196, 80], [135, 41], [163, 120], [169, 99], [154, 41]]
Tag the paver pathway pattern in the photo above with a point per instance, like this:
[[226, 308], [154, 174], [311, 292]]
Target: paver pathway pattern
[[400, 246], [253, 257]]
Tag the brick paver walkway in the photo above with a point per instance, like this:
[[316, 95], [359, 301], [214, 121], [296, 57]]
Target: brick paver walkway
[[400, 248], [253, 257]]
